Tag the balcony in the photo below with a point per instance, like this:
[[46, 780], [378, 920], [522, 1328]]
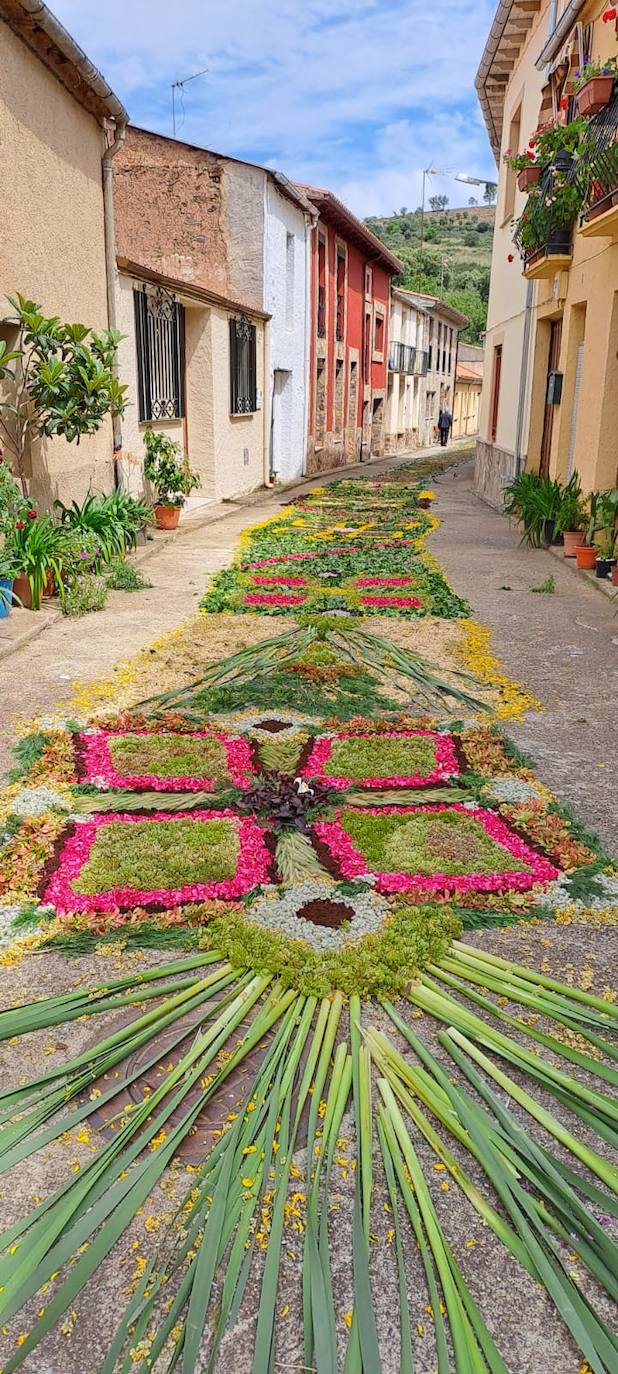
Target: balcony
[[599, 179], [544, 232], [401, 358]]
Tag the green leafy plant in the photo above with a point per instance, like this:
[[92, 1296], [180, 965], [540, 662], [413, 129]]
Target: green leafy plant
[[64, 380], [84, 594], [535, 502], [166, 469], [547, 588], [122, 577], [115, 519], [34, 546]]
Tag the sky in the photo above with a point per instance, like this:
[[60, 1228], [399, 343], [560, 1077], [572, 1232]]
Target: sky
[[354, 95]]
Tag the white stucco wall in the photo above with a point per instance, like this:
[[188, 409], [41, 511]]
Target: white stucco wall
[[285, 299]]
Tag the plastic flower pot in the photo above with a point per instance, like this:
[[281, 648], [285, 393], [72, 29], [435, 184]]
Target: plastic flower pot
[[595, 95], [6, 592], [586, 556], [167, 517], [572, 539], [529, 176], [603, 567]]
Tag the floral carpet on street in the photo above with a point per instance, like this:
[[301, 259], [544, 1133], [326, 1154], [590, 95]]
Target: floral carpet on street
[[309, 826]]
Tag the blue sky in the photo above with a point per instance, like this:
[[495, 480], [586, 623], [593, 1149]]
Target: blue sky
[[356, 95]]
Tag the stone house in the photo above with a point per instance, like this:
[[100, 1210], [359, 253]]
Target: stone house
[[550, 391], [407, 368], [350, 292], [212, 295], [60, 125]]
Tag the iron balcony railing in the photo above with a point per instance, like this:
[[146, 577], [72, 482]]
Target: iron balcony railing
[[546, 226], [401, 357], [597, 174]]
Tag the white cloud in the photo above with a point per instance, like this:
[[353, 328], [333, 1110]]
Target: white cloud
[[357, 94]]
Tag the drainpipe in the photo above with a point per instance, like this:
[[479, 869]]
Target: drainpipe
[[311, 219], [267, 400], [110, 257]]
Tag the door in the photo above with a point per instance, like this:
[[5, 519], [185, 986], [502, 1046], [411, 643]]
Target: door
[[576, 391], [283, 462], [553, 360]]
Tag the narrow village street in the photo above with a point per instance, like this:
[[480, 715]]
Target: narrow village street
[[308, 683]]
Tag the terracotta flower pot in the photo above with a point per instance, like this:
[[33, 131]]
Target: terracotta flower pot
[[586, 556], [167, 517], [21, 589], [595, 95], [615, 575], [529, 176], [572, 538]]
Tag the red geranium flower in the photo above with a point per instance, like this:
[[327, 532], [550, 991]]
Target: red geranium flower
[[32, 515], [609, 14], [532, 141], [19, 524], [564, 103], [511, 257]]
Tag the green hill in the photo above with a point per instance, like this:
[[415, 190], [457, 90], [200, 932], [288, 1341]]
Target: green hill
[[456, 256]]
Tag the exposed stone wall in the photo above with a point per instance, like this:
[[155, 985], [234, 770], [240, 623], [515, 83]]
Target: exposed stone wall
[[493, 469]]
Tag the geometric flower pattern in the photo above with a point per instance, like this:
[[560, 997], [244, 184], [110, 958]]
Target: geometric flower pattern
[[101, 767], [331, 754]]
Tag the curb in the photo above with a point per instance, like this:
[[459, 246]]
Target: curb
[[29, 635], [598, 583]]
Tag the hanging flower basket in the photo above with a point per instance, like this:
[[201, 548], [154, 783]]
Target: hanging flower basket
[[529, 176], [595, 95]]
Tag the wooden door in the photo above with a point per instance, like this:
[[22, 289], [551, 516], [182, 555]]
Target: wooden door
[[548, 418]]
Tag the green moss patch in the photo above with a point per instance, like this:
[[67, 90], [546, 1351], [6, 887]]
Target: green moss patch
[[448, 842], [169, 756], [148, 855], [381, 757]]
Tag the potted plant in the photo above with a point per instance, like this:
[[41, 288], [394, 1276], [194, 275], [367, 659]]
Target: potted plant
[[527, 168], [572, 518], [534, 501], [171, 478], [7, 574], [34, 546], [606, 511], [594, 85]]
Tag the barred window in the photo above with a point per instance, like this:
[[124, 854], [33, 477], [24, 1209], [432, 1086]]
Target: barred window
[[243, 367], [159, 332]]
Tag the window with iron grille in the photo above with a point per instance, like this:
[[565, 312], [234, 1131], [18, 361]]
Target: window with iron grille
[[159, 333], [243, 366]]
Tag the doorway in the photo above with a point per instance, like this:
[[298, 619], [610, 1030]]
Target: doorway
[[553, 359], [283, 462]]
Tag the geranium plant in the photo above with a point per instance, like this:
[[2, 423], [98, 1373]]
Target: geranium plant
[[593, 67], [164, 466]]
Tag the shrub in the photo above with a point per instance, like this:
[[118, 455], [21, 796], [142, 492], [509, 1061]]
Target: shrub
[[84, 594], [121, 577]]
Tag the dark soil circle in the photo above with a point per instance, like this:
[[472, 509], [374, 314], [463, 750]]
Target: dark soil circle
[[272, 726], [323, 912]]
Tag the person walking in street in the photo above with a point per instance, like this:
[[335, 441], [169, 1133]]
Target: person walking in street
[[445, 420]]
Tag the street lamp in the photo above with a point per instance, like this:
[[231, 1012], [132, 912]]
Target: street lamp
[[428, 172]]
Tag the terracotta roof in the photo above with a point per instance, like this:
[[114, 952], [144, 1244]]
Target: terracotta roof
[[336, 213], [468, 374], [187, 288], [35, 24]]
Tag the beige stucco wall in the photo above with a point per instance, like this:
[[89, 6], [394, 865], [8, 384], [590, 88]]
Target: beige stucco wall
[[586, 299], [52, 245], [466, 408], [214, 441]]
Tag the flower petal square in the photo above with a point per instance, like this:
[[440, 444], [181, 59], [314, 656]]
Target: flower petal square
[[253, 864], [99, 766], [446, 763], [529, 867]]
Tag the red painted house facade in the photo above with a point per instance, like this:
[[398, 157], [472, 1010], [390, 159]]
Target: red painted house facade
[[351, 272]]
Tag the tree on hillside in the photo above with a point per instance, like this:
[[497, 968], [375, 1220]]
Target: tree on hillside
[[438, 202], [404, 210], [471, 305], [472, 201], [490, 192]]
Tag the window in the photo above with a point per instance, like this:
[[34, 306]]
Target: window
[[243, 366], [367, 347], [321, 288], [378, 333], [289, 280], [159, 334], [510, 182], [340, 294], [495, 391], [368, 282]]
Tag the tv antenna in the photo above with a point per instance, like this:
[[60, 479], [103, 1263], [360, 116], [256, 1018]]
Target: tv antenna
[[179, 86]]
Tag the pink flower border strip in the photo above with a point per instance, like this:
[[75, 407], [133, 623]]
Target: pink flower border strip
[[273, 599], [446, 761], [354, 865], [408, 601], [253, 866], [99, 764]]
